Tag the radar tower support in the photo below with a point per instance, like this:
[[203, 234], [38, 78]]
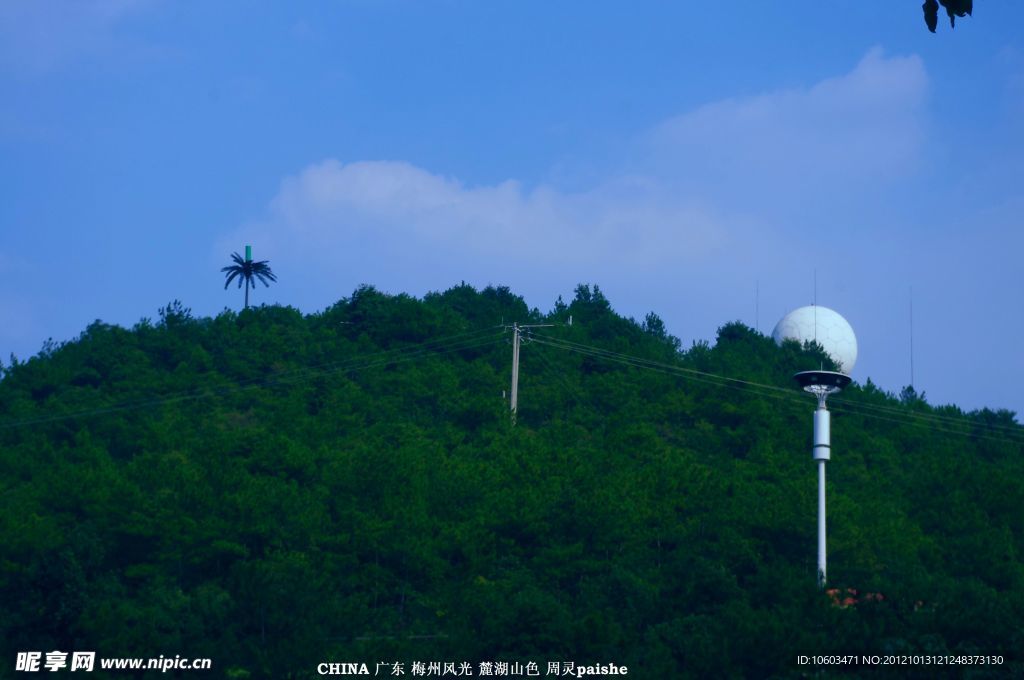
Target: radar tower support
[[821, 384]]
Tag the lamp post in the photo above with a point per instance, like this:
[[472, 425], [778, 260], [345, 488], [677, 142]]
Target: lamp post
[[821, 384]]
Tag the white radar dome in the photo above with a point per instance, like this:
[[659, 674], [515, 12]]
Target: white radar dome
[[826, 326]]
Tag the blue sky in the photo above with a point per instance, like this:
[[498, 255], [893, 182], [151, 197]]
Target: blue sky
[[680, 159]]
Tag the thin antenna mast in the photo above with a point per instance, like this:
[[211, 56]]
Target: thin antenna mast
[[911, 337], [821, 366], [757, 306], [815, 305]]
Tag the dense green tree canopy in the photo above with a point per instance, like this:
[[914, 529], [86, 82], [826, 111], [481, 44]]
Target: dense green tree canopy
[[273, 490]]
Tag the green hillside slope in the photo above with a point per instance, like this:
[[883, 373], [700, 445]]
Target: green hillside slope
[[273, 490]]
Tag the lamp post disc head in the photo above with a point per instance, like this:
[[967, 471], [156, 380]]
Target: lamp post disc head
[[813, 381]]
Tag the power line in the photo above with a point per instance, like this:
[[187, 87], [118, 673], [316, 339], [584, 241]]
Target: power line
[[696, 376], [734, 383], [650, 362], [573, 391], [485, 336], [895, 410], [786, 395], [400, 355], [931, 417]]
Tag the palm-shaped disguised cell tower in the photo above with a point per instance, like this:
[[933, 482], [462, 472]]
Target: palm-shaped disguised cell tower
[[247, 272], [835, 335]]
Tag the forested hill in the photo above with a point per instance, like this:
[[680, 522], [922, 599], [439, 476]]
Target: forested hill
[[273, 490]]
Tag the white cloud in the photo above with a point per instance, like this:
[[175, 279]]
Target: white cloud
[[862, 128], [705, 204], [401, 227], [338, 202]]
